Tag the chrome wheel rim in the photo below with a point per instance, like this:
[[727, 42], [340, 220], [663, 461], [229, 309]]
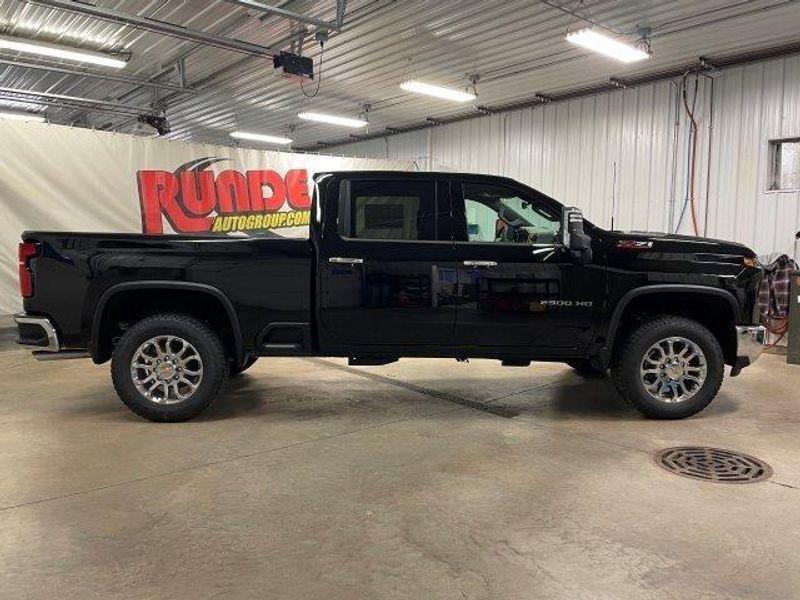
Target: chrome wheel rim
[[673, 370], [167, 369]]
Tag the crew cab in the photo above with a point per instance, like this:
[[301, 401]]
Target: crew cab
[[398, 265]]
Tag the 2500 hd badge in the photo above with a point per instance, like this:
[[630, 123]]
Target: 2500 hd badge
[[569, 303]]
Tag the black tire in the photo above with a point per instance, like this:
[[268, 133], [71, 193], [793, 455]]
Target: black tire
[[584, 368], [207, 345], [233, 370], [627, 363]]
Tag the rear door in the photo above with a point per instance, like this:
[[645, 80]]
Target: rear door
[[387, 264], [517, 286]]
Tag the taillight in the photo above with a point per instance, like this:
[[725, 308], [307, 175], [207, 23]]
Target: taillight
[[27, 251]]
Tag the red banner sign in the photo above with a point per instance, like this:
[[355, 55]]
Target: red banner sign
[[195, 200]]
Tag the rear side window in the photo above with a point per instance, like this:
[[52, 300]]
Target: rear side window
[[387, 210]]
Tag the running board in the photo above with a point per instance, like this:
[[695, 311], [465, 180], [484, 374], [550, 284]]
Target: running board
[[370, 361], [515, 363]]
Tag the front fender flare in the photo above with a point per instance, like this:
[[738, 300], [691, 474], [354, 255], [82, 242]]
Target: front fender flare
[[669, 288]]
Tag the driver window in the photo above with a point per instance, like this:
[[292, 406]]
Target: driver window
[[498, 214]]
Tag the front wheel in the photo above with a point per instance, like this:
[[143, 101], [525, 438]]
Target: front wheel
[[169, 367], [669, 367]]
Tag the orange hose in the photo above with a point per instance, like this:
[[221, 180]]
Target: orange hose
[[780, 329], [692, 188], [693, 170]]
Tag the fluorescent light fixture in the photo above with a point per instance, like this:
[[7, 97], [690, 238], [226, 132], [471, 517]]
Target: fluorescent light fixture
[[21, 116], [332, 119], [56, 51], [597, 42], [437, 91], [260, 137]]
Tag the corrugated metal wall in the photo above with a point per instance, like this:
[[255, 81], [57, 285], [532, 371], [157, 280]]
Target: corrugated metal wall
[[625, 153]]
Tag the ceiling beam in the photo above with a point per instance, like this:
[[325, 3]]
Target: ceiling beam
[[158, 85], [336, 24], [64, 101], [156, 26], [211, 81]]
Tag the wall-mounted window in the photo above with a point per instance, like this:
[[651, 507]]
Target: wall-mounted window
[[785, 164]]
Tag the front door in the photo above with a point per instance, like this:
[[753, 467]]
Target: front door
[[517, 285], [387, 264]]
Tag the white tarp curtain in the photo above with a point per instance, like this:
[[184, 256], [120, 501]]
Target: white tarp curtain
[[57, 178]]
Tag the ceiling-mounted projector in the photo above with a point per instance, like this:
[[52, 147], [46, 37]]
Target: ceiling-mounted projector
[[293, 66]]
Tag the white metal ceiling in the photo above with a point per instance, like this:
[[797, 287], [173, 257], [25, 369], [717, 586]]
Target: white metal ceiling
[[515, 46]]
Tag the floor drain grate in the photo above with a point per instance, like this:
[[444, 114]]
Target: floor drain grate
[[713, 464]]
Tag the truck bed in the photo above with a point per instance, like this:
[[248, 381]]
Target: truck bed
[[265, 279]]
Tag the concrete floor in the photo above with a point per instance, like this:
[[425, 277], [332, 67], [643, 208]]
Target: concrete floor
[[311, 480]]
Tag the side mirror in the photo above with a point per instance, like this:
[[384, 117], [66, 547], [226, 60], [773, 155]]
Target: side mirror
[[573, 237]]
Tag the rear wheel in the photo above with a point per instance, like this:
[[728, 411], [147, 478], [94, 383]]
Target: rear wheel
[[169, 367], [669, 367]]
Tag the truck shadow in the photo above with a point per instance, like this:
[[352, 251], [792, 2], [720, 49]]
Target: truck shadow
[[598, 399], [594, 398], [566, 397], [241, 396], [249, 396]]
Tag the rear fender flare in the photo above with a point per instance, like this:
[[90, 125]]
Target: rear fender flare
[[97, 317]]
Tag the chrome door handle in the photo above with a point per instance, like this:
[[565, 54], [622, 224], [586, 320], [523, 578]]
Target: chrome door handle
[[344, 260], [548, 251], [480, 263]]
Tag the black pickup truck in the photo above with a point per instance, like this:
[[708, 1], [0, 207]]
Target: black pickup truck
[[398, 265]]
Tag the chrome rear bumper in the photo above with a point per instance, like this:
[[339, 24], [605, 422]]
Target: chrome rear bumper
[[38, 333], [750, 341]]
